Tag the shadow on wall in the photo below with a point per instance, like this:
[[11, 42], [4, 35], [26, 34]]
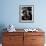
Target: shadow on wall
[[2, 26]]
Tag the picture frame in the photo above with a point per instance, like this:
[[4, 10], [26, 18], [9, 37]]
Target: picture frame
[[26, 13]]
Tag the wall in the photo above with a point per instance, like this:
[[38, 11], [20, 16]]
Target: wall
[[9, 13]]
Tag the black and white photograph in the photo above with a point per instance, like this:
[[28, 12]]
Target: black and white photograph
[[26, 13]]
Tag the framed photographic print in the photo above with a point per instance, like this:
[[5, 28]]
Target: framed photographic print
[[26, 13]]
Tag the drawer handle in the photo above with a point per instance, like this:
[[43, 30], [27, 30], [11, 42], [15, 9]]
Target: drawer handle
[[11, 38], [33, 39]]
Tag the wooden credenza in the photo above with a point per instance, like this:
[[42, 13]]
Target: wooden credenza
[[23, 39]]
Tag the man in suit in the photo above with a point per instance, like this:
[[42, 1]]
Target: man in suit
[[27, 14]]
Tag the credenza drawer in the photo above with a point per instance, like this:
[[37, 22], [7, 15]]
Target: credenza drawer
[[13, 33], [34, 33], [38, 39]]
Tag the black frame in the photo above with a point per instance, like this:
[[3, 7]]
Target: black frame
[[26, 13]]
